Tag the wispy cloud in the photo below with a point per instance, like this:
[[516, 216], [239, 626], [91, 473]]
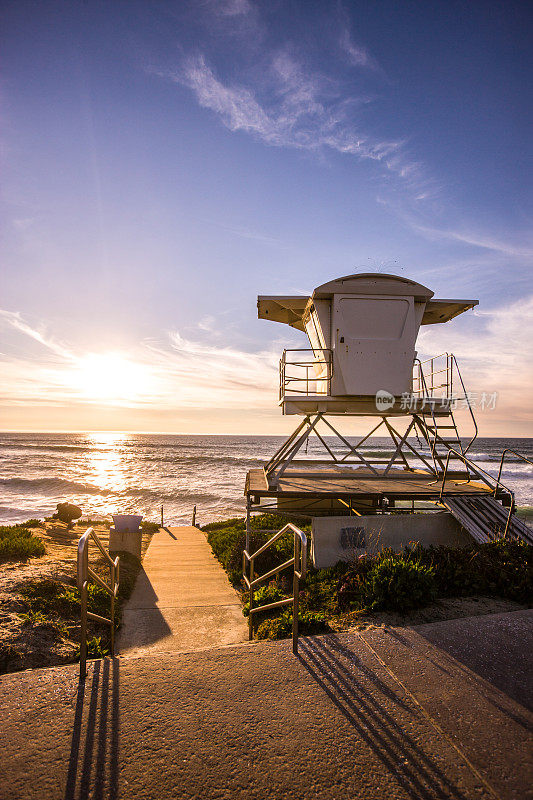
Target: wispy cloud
[[14, 321], [302, 110], [495, 351], [176, 372], [357, 55], [475, 238]]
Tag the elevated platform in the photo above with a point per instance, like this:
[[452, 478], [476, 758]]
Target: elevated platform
[[364, 405], [334, 482]]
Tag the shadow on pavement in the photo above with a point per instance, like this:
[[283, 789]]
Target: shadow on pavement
[[94, 750], [362, 697], [497, 648], [143, 624]]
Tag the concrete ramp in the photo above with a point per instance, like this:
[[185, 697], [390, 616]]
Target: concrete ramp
[[182, 599]]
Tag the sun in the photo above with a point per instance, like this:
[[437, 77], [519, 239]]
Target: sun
[[111, 377]]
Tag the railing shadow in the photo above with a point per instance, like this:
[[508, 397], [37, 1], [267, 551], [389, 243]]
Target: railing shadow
[[93, 768], [143, 624], [361, 696]]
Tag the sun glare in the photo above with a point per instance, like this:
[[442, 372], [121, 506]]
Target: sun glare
[[111, 377]]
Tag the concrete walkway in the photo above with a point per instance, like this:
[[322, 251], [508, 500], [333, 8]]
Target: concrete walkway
[[386, 714], [182, 599]]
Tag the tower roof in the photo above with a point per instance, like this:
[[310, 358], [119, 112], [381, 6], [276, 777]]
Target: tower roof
[[291, 309]]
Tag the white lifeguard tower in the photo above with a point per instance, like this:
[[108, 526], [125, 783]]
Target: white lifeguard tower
[[362, 361]]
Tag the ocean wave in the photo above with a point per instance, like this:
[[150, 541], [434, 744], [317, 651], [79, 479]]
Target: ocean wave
[[177, 496], [53, 485], [52, 449], [207, 460]]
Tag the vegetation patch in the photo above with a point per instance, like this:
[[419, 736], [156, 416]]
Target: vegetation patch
[[398, 584], [371, 585], [149, 527], [228, 540], [309, 623], [17, 543], [502, 568], [40, 602]]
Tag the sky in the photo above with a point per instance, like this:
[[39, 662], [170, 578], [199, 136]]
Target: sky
[[163, 163]]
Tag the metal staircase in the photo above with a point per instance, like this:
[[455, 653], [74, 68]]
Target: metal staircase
[[486, 519], [491, 516], [442, 437], [434, 379]]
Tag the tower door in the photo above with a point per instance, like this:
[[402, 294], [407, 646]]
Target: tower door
[[374, 340]]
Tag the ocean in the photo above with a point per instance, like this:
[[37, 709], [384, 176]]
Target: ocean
[[108, 473]]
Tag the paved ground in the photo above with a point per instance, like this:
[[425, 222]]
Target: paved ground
[[182, 599], [388, 713]]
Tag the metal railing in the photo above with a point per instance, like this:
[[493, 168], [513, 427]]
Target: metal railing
[[299, 561], [489, 480], [483, 475], [433, 374], [84, 575], [426, 387], [519, 455], [298, 374]]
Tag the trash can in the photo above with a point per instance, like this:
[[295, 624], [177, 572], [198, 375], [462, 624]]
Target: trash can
[[126, 534]]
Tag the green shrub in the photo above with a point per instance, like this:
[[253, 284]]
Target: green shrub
[[502, 568], [19, 544], [399, 584], [53, 597], [309, 623], [270, 593], [228, 540], [149, 527], [95, 648], [32, 523]]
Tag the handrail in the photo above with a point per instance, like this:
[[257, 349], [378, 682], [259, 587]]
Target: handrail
[[84, 574], [519, 455], [451, 361], [474, 437], [322, 356], [433, 446], [299, 558], [480, 474]]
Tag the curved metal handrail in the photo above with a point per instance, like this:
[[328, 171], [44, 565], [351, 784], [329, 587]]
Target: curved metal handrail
[[474, 437], [479, 471], [514, 452], [84, 574], [299, 558]]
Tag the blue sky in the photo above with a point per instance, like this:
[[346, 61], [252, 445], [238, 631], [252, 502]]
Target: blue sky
[[164, 163]]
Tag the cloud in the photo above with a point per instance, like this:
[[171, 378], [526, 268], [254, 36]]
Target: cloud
[[477, 239], [302, 110], [495, 351], [176, 372], [13, 320], [357, 55]]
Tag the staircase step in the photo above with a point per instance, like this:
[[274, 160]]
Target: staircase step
[[441, 427], [485, 518]]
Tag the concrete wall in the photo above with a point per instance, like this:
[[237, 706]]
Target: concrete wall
[[344, 538], [130, 542]]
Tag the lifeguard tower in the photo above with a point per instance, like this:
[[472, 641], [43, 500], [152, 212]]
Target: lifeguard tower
[[362, 361]]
